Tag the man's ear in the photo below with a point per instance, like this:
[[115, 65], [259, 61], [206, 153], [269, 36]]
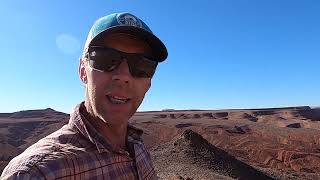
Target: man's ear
[[82, 72]]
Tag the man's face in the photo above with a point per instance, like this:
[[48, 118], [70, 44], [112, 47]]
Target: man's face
[[115, 96]]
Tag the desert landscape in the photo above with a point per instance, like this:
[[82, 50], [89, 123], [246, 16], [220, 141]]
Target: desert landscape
[[273, 143]]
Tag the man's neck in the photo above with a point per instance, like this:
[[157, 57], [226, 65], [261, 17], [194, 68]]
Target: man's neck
[[115, 135]]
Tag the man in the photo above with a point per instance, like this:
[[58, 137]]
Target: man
[[119, 59]]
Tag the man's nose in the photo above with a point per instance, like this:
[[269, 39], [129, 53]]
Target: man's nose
[[122, 72]]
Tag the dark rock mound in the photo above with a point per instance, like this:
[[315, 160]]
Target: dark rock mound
[[196, 116], [294, 125], [183, 125], [221, 114], [209, 115], [160, 116], [249, 117], [218, 126], [239, 129], [201, 152], [172, 116]]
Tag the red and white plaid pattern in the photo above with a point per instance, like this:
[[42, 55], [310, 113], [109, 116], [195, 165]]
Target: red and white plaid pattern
[[78, 151]]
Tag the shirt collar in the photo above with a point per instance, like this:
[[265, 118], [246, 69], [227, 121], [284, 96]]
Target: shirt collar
[[81, 123]]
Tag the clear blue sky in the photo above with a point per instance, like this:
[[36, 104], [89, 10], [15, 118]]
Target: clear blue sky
[[222, 53]]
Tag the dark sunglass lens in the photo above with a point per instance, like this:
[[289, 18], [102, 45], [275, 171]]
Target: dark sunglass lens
[[103, 59], [142, 67], [104, 65]]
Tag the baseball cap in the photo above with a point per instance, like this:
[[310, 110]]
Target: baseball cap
[[126, 23]]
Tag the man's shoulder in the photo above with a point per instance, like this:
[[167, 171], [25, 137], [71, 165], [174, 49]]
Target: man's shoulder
[[48, 151]]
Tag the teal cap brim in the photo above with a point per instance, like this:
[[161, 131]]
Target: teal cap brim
[[159, 50]]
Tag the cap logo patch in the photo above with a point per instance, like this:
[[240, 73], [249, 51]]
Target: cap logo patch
[[129, 20]]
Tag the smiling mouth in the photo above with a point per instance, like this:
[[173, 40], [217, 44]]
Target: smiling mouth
[[117, 99]]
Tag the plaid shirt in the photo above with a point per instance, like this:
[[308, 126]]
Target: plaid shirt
[[78, 151]]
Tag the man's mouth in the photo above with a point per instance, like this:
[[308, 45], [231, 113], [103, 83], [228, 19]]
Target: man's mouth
[[117, 99]]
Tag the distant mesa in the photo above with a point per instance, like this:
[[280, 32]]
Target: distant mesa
[[192, 115], [5, 115], [281, 108], [310, 113], [264, 113], [40, 113], [168, 110]]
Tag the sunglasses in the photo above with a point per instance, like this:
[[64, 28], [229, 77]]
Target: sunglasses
[[107, 59]]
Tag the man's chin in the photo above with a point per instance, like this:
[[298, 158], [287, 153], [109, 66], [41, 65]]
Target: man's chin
[[116, 118], [116, 114]]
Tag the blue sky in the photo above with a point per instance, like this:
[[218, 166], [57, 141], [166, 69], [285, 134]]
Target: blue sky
[[222, 53]]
